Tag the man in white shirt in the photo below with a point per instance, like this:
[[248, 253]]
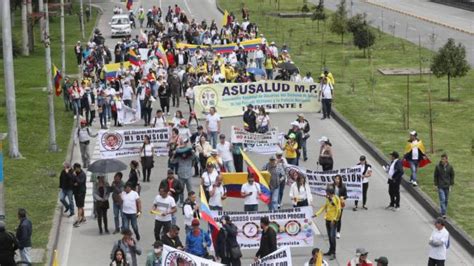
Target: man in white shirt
[[164, 206], [326, 94], [213, 125], [208, 178], [250, 191], [190, 211], [217, 193], [439, 244], [131, 209], [127, 94], [308, 78], [159, 121], [259, 57], [224, 150]]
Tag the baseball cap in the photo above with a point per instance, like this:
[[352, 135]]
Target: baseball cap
[[214, 151], [272, 158], [413, 133], [323, 139], [292, 136], [361, 251], [362, 158], [382, 260], [394, 154], [279, 153], [440, 220], [250, 105], [301, 115], [294, 123], [195, 222]]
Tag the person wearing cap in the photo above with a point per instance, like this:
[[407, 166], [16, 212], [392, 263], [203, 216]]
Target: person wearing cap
[[250, 119], [439, 243], [366, 173], [332, 209], [360, 258], [326, 95], [443, 180], [227, 247], [395, 173], [305, 128], [250, 191], [415, 156], [325, 154], [197, 241], [277, 175], [215, 160], [129, 246], [281, 161], [203, 149], [296, 130], [208, 178], [213, 125], [382, 261], [268, 239], [291, 149], [184, 159], [154, 256], [164, 206], [66, 186], [224, 150]]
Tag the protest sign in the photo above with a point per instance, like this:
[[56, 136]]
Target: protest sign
[[276, 96], [318, 180], [248, 45], [172, 257], [279, 257], [293, 226], [123, 143], [266, 143]]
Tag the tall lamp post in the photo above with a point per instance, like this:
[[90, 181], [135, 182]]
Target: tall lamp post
[[2, 190]]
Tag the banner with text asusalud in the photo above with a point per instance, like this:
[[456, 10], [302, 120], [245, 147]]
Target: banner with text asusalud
[[231, 99]]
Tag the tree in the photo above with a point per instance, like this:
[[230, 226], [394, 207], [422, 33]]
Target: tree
[[339, 20], [450, 61], [319, 13], [356, 22], [364, 38]]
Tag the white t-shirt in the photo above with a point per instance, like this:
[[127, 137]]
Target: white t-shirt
[[216, 199], [439, 252], [255, 189], [164, 205], [127, 92], [263, 120], [209, 178], [414, 151], [129, 202], [213, 121], [224, 151], [147, 150], [326, 91], [159, 122], [369, 168]]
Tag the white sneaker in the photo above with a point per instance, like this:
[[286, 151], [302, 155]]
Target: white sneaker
[[411, 181], [338, 235], [75, 116], [414, 183]]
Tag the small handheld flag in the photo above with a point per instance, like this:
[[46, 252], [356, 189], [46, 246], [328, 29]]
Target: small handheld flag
[[57, 77]]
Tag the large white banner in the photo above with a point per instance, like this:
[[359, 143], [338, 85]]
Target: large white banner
[[319, 180], [265, 143], [293, 226], [175, 257], [124, 143], [280, 257]]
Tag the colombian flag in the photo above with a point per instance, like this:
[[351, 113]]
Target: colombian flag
[[225, 19], [129, 4], [111, 69], [421, 148], [57, 77], [133, 58], [160, 53], [266, 194], [207, 216]]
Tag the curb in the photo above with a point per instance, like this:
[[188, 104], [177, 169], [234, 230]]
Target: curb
[[418, 17], [53, 238], [424, 200]]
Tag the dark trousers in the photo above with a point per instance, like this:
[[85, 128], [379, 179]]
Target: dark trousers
[[161, 228], [147, 115], [433, 262], [165, 105], [103, 119], [146, 174], [238, 162], [394, 192], [331, 230], [365, 187], [302, 203], [202, 162], [175, 98], [326, 107], [102, 218], [231, 262], [339, 223], [251, 208], [128, 103]]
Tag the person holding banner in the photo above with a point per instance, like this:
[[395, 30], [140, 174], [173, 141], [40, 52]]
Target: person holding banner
[[341, 192], [300, 192], [268, 240], [366, 173], [250, 191], [332, 209]]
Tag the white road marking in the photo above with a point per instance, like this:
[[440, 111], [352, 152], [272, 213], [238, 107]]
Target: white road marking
[[187, 7]]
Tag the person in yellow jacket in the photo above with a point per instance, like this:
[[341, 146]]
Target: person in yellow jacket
[[329, 76], [229, 73], [415, 156], [332, 209]]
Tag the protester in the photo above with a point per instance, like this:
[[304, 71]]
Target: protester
[[300, 192], [203, 149], [217, 193], [213, 125], [277, 175], [325, 154], [366, 173], [197, 241], [296, 130], [415, 155], [23, 235], [159, 121], [147, 152], [268, 239], [172, 238], [316, 257], [119, 258], [66, 186], [79, 191], [263, 120], [326, 95], [129, 247], [117, 188], [208, 178], [164, 206], [154, 256], [131, 210], [8, 245], [250, 191], [443, 180], [332, 209], [360, 258], [395, 173], [84, 136], [101, 197], [184, 158], [190, 211], [227, 247], [193, 123], [283, 163], [291, 149], [134, 176], [304, 126], [224, 150], [250, 119], [172, 185], [439, 244], [340, 191]]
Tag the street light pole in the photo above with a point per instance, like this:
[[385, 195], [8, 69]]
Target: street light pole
[[81, 16], [2, 190], [63, 45]]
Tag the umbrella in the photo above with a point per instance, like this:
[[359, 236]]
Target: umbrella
[[290, 67], [107, 166], [256, 71]]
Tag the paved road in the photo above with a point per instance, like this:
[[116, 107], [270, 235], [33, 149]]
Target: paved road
[[412, 28], [401, 236]]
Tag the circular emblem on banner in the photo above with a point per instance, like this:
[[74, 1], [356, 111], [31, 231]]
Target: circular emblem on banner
[[208, 98], [250, 230], [292, 227], [111, 141], [174, 258]]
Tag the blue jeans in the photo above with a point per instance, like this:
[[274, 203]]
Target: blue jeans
[[213, 138], [186, 183], [274, 199], [76, 105], [117, 214], [331, 230], [443, 194], [70, 203], [414, 169], [303, 146], [281, 190], [251, 208], [229, 166], [130, 218]]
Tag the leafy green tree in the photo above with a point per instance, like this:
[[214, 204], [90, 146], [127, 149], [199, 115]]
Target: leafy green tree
[[339, 20], [356, 22], [364, 38], [450, 61], [319, 14]]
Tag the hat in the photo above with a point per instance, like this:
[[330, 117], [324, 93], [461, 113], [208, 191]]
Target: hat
[[292, 136], [250, 105], [440, 220], [183, 122], [279, 153], [394, 154], [272, 158], [214, 151], [323, 139], [170, 171], [195, 222], [413, 133], [301, 115], [295, 124], [361, 251], [272, 43], [382, 260], [158, 244], [362, 158]]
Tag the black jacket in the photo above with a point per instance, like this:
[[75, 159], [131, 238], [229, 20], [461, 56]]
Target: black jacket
[[174, 243], [342, 191], [443, 176], [23, 233], [177, 186], [398, 172], [250, 117], [66, 180], [226, 239], [268, 243], [8, 245]]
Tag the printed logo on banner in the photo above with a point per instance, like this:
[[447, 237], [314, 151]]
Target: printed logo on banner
[[208, 98], [250, 230], [178, 258], [111, 141]]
